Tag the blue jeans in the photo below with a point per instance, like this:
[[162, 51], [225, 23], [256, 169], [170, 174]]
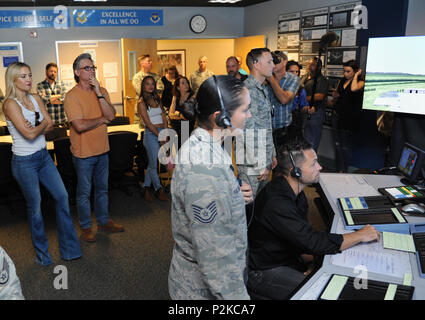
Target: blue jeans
[[92, 169], [151, 143], [313, 128], [29, 171]]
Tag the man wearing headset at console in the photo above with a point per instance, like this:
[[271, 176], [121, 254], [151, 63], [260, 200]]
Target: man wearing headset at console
[[282, 243]]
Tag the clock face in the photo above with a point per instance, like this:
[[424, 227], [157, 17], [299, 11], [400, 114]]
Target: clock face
[[198, 24]]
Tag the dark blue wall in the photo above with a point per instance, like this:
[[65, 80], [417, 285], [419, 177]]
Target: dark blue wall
[[385, 19]]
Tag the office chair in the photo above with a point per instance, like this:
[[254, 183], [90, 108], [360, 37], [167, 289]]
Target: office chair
[[121, 161], [119, 121], [141, 158], [4, 131], [8, 185], [65, 165], [56, 133]]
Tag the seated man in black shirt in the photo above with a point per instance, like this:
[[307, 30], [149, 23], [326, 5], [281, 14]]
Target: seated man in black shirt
[[282, 243]]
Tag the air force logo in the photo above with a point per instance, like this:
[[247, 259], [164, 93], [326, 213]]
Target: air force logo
[[205, 215], [155, 17]]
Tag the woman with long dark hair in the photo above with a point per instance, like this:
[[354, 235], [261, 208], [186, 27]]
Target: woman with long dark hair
[[208, 203], [150, 109], [348, 101], [27, 120], [168, 80], [182, 93]]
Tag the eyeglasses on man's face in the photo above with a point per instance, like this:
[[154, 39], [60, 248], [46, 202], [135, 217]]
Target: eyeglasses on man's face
[[89, 68]]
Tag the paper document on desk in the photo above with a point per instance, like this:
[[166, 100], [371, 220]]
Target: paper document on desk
[[373, 257], [397, 241], [342, 186]]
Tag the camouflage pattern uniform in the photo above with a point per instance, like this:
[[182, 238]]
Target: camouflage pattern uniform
[[10, 286], [208, 224], [259, 154], [198, 77]]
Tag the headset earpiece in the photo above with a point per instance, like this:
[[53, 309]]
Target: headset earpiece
[[295, 171], [222, 119]]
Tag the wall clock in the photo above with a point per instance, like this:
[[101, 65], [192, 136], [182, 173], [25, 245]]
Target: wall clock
[[198, 23]]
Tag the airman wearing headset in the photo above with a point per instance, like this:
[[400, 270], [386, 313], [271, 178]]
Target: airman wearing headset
[[281, 240], [208, 201]]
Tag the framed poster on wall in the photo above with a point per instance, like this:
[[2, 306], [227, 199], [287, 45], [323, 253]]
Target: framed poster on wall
[[106, 55], [289, 32], [170, 58], [9, 52]]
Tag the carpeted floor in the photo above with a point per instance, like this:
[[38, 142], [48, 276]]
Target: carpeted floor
[[130, 265]]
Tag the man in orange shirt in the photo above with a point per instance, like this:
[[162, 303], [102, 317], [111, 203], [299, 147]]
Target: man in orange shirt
[[89, 110]]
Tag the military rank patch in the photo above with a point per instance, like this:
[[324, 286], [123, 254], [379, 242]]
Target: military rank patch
[[205, 215]]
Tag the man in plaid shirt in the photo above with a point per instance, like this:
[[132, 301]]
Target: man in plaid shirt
[[53, 94], [282, 89]]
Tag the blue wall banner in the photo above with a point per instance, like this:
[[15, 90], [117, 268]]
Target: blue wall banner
[[117, 18], [34, 19]]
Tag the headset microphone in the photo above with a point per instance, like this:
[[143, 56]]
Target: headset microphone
[[295, 171], [222, 119]]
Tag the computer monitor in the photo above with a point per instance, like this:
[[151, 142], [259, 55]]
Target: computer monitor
[[395, 75], [411, 164]]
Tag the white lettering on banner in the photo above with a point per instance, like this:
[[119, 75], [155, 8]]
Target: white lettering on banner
[[114, 14], [6, 19], [24, 19], [45, 18]]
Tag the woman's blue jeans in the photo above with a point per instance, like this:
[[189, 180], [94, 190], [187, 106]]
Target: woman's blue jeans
[[92, 169], [29, 171], [151, 143], [313, 128]]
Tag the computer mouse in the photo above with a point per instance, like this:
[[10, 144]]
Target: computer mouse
[[413, 208]]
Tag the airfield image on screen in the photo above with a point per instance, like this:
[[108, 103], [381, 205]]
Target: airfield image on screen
[[407, 161], [395, 75]]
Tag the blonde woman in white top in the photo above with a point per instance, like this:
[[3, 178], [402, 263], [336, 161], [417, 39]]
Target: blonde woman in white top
[[27, 120], [150, 110]]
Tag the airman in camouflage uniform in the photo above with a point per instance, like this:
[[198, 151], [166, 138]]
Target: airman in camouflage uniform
[[259, 146], [10, 286], [208, 224]]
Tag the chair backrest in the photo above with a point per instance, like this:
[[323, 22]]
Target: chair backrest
[[4, 131], [56, 133], [64, 156], [122, 146], [119, 121], [5, 162]]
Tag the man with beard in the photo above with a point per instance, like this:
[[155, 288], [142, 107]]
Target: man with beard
[[232, 67], [53, 94]]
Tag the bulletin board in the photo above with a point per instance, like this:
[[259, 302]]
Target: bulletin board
[[9, 52], [299, 35], [106, 55]]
